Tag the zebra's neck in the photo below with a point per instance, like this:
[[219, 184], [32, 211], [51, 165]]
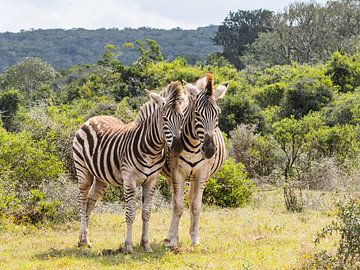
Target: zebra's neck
[[150, 123], [189, 136]]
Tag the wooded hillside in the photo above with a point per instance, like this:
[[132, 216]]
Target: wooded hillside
[[64, 48]]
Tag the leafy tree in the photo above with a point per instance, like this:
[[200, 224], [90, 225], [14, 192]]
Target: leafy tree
[[28, 76], [110, 58], [291, 135], [147, 53], [236, 109], [307, 33], [241, 29], [270, 94]]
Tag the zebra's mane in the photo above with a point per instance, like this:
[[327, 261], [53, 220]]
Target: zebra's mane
[[146, 110], [173, 93]]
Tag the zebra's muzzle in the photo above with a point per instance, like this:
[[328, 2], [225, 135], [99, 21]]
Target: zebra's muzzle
[[176, 147], [208, 148]]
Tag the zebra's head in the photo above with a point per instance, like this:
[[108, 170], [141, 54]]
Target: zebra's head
[[171, 101], [206, 111]]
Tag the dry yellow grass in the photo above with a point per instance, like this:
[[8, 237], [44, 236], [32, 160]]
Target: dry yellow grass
[[261, 237]]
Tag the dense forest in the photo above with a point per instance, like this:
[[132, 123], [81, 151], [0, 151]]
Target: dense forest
[[64, 48], [291, 114]]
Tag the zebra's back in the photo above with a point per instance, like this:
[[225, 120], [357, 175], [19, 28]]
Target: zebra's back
[[96, 147]]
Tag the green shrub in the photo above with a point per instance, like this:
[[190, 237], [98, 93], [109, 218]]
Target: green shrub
[[347, 255], [9, 104], [344, 71], [25, 162], [164, 188], [35, 209], [230, 186]]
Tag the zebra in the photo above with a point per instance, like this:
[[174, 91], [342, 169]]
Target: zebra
[[108, 152], [204, 153]]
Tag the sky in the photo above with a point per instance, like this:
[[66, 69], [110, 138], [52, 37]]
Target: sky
[[16, 15]]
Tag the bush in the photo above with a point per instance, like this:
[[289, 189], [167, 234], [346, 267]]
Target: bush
[[25, 162], [35, 209], [230, 186], [347, 255], [255, 151], [54, 201]]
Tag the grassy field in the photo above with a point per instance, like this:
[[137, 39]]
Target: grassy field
[[260, 236]]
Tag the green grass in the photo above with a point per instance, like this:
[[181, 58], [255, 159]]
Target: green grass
[[260, 236]]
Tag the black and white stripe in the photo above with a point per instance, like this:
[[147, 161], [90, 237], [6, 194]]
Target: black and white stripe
[[204, 153], [109, 152]]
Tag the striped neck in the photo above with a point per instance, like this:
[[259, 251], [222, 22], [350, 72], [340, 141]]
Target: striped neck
[[189, 135], [151, 122]]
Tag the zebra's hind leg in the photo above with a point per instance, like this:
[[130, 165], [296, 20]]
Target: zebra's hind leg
[[129, 192], [97, 189], [85, 180], [148, 190]]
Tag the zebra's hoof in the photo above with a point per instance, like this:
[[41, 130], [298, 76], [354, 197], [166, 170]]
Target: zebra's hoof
[[166, 242], [148, 249], [195, 247], [146, 246], [86, 243], [128, 249]]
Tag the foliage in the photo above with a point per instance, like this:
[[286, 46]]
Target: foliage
[[229, 187], [241, 29], [256, 152], [345, 109], [344, 71], [307, 33], [25, 162], [238, 108], [309, 90], [9, 105], [28, 76], [339, 141], [291, 135], [347, 255]]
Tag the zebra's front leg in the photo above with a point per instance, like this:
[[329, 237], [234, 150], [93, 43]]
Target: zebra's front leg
[[195, 203], [172, 238], [147, 195], [129, 190]]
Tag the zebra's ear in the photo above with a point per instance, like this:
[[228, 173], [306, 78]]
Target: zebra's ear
[[221, 90], [191, 89], [159, 100]]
